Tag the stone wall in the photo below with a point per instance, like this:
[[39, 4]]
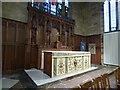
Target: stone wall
[[77, 16], [15, 11], [88, 17]]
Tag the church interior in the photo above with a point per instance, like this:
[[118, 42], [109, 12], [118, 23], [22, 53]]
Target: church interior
[[53, 44]]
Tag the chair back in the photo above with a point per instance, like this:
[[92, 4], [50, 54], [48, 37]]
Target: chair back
[[98, 82], [117, 75], [87, 85], [105, 81], [75, 88]]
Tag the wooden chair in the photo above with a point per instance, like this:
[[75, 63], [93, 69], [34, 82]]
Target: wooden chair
[[105, 81], [87, 85], [75, 88], [117, 76], [97, 83]]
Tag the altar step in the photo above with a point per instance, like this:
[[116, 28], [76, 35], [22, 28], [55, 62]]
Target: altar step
[[40, 78]]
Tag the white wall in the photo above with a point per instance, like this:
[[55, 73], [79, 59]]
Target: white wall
[[92, 16], [0, 53], [119, 48], [111, 48], [119, 14]]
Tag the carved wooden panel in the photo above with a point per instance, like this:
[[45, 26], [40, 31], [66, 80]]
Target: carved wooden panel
[[54, 37], [34, 56], [38, 19], [63, 35], [33, 29], [33, 36], [40, 36], [41, 19]]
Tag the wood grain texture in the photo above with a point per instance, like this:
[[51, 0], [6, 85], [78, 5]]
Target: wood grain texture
[[96, 39], [13, 44], [48, 63]]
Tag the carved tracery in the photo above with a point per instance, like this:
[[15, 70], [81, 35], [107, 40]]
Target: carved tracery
[[49, 26]]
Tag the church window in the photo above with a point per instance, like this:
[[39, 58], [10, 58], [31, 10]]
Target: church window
[[110, 15]]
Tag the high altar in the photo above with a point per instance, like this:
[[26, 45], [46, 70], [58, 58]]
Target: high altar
[[58, 63]]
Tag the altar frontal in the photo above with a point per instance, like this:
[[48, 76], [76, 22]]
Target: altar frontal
[[58, 63]]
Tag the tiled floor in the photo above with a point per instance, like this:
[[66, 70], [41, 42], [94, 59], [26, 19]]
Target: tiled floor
[[25, 81]]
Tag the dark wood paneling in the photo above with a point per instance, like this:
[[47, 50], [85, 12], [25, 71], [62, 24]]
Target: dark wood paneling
[[34, 56], [96, 39], [11, 32], [4, 29], [19, 56], [3, 57], [13, 44], [39, 57], [9, 57], [40, 36], [27, 56], [48, 63], [77, 40], [31, 57], [21, 33]]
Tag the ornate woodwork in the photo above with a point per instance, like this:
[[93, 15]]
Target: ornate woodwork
[[47, 32], [22, 43], [38, 18]]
